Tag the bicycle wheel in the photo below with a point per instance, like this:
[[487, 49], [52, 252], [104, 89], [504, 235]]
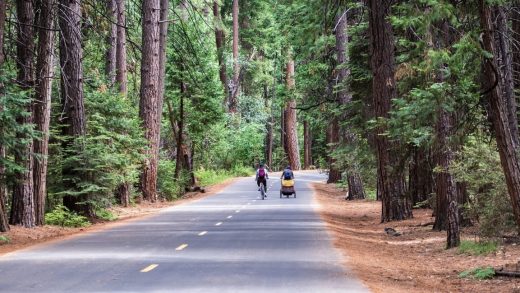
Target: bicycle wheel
[[262, 191]]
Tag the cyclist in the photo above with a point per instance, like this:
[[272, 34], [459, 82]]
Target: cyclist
[[287, 173], [262, 176]]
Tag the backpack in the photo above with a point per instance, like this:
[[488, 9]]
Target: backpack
[[287, 175], [261, 173]]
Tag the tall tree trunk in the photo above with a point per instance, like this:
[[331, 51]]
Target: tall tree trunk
[[150, 95], [515, 36], [121, 76], [291, 126], [180, 132], [282, 129], [123, 190], [110, 57], [421, 175], [506, 147], [4, 221], [307, 144], [332, 136], [355, 183], [395, 204], [42, 104], [504, 61], [74, 120], [22, 209], [269, 134], [447, 207], [220, 41], [235, 85]]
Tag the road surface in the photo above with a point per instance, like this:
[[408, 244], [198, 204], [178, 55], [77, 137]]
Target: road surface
[[229, 242]]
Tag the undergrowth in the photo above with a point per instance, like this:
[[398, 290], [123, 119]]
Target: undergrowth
[[61, 216], [481, 273], [477, 248]]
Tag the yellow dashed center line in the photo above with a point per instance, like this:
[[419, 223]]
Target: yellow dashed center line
[[149, 268], [181, 247], [218, 224], [237, 211], [229, 217], [203, 233]]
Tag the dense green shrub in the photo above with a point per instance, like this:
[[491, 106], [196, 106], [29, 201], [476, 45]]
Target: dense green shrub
[[478, 164], [61, 216], [482, 273], [477, 248]]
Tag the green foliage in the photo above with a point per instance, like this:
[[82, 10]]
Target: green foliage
[[168, 187], [105, 215], [481, 273], [109, 155], [4, 239], [478, 164], [211, 177], [477, 248], [61, 216]]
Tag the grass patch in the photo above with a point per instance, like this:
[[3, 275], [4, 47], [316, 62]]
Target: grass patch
[[105, 215], [477, 248], [4, 239], [482, 273], [212, 177]]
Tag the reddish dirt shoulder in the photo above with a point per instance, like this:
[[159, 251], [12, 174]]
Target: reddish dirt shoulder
[[413, 262], [21, 238]]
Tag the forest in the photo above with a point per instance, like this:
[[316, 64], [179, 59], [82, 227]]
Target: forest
[[116, 102]]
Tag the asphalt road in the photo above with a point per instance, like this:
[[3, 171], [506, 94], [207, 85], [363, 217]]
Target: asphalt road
[[230, 242]]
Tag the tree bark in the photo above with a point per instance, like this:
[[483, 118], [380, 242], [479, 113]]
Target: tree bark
[[346, 137], [332, 136], [150, 96], [110, 57], [42, 104], [121, 76], [506, 147], [4, 221], [505, 67], [22, 209], [123, 190], [74, 120], [291, 126], [420, 175], [269, 134], [395, 204], [307, 145], [220, 41], [235, 85]]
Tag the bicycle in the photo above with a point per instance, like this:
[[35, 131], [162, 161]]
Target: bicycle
[[262, 190]]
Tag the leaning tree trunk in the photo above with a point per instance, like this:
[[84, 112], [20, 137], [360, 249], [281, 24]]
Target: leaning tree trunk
[[395, 203], [110, 55], [74, 120], [220, 41], [22, 209], [505, 67], [4, 221], [150, 96], [42, 104], [355, 183], [235, 85], [291, 128], [506, 147]]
